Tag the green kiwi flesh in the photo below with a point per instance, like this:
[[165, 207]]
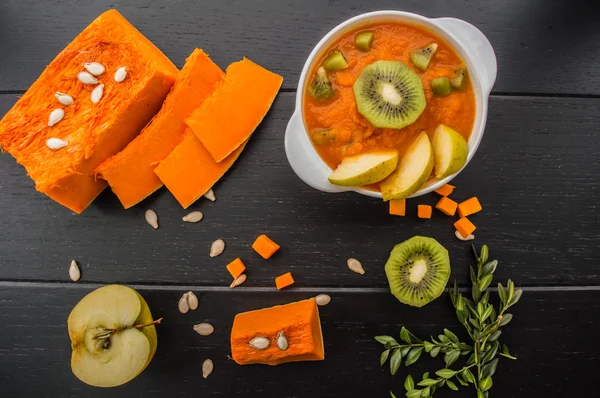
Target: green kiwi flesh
[[389, 94], [441, 86], [421, 57], [320, 88], [335, 61], [458, 81], [364, 40], [418, 270]]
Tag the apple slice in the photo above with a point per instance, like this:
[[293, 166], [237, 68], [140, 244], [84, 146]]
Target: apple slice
[[364, 169], [112, 336], [413, 171], [450, 151]]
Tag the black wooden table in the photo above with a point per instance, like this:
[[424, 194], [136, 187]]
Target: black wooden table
[[536, 174]]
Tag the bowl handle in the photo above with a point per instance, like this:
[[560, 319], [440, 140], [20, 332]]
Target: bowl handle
[[303, 157], [477, 45]]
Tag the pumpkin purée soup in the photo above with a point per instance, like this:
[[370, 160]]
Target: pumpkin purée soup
[[336, 128]]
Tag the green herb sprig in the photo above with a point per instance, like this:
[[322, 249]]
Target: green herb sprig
[[483, 323]]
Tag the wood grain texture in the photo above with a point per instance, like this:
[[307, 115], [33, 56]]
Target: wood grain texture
[[547, 334], [542, 46], [535, 175]]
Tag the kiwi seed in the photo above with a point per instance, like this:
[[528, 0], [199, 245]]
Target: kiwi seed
[[422, 57], [441, 86], [389, 94], [418, 270], [320, 88]]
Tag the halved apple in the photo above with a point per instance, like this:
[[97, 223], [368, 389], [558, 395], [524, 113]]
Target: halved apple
[[113, 336], [413, 171], [364, 169], [450, 151]]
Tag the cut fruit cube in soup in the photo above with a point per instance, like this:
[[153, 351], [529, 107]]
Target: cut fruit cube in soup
[[364, 40], [441, 86], [422, 57], [335, 61], [365, 169]]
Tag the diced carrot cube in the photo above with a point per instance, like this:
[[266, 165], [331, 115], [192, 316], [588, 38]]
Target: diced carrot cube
[[236, 268], [447, 206], [265, 246], [424, 211], [446, 190], [464, 227], [284, 280], [398, 207], [469, 206]]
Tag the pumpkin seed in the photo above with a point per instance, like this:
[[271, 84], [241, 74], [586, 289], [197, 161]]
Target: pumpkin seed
[[204, 329], [210, 195], [355, 266], [323, 300], [64, 99], [459, 236], [183, 304], [56, 116], [87, 78], [56, 143], [97, 93], [74, 272], [194, 216], [260, 343], [238, 281], [207, 368], [121, 74], [282, 342], [152, 218], [95, 68], [217, 248], [192, 301]]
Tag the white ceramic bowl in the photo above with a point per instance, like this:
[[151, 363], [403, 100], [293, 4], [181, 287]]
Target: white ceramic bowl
[[472, 46]]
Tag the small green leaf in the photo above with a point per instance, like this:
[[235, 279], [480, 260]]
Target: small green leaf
[[485, 298], [487, 313], [473, 275], [395, 361], [425, 376], [489, 368], [427, 382], [515, 298], [511, 290], [476, 293], [479, 394], [490, 267], [494, 336], [485, 384], [493, 314], [471, 359], [392, 395], [485, 252], [480, 310], [426, 392], [485, 282], [505, 352], [386, 339], [451, 336], [462, 315], [428, 346], [413, 355], [461, 381], [413, 393], [435, 351], [475, 252], [452, 385], [404, 350], [404, 335], [468, 375], [451, 357], [409, 383], [446, 373], [384, 357], [444, 339], [502, 294], [506, 318]]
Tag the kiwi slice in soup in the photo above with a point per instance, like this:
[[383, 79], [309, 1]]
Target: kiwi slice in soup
[[320, 87], [421, 57], [335, 61], [458, 81], [441, 86], [418, 270], [364, 40], [389, 94]]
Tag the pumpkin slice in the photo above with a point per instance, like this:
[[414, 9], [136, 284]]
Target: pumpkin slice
[[130, 173], [190, 171], [235, 108], [301, 329], [92, 131]]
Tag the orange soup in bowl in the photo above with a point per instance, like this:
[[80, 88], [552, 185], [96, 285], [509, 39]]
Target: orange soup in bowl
[[425, 87]]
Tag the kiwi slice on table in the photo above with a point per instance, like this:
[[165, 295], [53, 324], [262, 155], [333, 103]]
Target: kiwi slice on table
[[320, 88], [422, 57], [418, 270], [335, 61], [364, 40], [389, 94], [441, 86], [458, 81]]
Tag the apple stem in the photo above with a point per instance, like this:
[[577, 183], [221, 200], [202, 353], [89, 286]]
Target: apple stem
[[156, 322]]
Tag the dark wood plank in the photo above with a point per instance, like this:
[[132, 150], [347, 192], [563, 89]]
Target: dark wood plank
[[547, 334], [542, 46], [535, 174]]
